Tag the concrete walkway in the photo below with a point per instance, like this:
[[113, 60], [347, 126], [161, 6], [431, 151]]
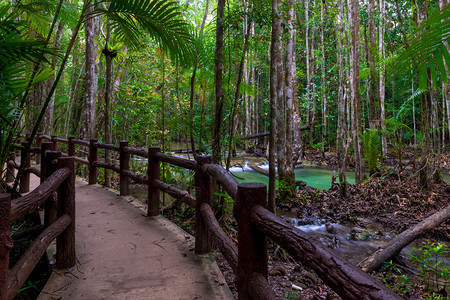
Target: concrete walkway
[[121, 254]]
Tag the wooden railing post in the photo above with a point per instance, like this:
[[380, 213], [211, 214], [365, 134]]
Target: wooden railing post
[[45, 146], [153, 173], [38, 144], [252, 243], [93, 157], [71, 146], [5, 243], [51, 165], [55, 143], [65, 242], [25, 177], [124, 166], [203, 194], [10, 170]]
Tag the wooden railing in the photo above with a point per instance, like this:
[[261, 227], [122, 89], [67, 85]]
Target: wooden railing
[[249, 258], [57, 194]]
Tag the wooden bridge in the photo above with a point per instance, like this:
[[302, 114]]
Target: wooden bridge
[[120, 253]]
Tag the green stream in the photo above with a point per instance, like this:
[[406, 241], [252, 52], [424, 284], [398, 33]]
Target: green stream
[[313, 176]]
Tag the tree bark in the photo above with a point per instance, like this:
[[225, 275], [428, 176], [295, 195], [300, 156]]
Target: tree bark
[[219, 99], [274, 64], [342, 128], [382, 84], [356, 102], [48, 118], [108, 90], [236, 96], [91, 79], [383, 254], [192, 90], [372, 48], [322, 81]]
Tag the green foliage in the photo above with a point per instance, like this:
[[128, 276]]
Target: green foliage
[[434, 269], [161, 19], [394, 279], [372, 149], [427, 51]]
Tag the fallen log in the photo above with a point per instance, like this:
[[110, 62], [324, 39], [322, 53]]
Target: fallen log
[[375, 260], [266, 133], [258, 169]]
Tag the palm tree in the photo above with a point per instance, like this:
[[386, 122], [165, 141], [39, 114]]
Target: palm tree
[[161, 19]]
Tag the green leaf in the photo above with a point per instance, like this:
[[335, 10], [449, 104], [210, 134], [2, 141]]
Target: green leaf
[[423, 77], [445, 54], [433, 73], [440, 62]]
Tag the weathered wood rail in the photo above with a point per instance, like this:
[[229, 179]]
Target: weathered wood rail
[[248, 258], [57, 194]]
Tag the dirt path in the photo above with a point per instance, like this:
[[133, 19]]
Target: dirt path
[[121, 254]]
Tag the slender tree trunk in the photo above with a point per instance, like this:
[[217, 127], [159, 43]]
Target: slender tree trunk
[[218, 83], [287, 177], [356, 102], [191, 98], [341, 102], [274, 88], [91, 79], [372, 49], [308, 63], [48, 118], [323, 82], [108, 90], [312, 88], [236, 96], [382, 84], [400, 19]]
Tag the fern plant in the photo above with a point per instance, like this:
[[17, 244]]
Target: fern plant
[[372, 149]]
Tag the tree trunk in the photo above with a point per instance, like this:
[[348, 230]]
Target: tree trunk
[[286, 174], [356, 118], [191, 98], [236, 95], [372, 48], [274, 88], [108, 79], [48, 118], [218, 83], [341, 103], [382, 85], [323, 82], [91, 79]]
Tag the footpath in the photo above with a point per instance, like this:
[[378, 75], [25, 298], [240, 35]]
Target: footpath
[[122, 254]]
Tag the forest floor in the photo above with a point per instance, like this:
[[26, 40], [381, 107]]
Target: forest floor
[[389, 202]]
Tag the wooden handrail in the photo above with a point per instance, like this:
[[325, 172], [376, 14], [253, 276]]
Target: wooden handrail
[[23, 268], [61, 179], [223, 178], [249, 258], [347, 280], [177, 161], [81, 142], [26, 204], [221, 240], [107, 146]]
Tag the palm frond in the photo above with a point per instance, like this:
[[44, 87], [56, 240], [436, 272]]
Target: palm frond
[[427, 51], [161, 19]]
